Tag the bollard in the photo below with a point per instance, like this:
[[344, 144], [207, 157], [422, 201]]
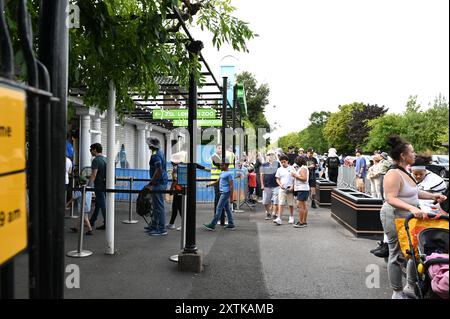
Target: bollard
[[72, 204], [130, 210], [174, 258], [80, 253], [238, 206]]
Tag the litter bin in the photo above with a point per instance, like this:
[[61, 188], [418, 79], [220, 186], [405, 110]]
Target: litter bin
[[323, 191], [358, 212]]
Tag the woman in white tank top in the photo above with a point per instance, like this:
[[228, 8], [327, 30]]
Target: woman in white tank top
[[301, 190], [402, 197]]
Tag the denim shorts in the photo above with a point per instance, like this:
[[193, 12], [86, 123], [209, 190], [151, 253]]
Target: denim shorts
[[302, 196]]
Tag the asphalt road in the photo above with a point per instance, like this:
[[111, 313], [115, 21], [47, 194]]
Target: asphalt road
[[257, 260]]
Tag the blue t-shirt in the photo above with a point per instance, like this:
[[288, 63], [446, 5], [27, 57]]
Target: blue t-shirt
[[361, 163], [69, 150], [157, 161], [225, 179]]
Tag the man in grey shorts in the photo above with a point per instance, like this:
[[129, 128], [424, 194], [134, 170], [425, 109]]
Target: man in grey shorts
[[269, 185]]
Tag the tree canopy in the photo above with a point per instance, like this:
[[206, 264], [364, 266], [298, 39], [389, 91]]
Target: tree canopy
[[257, 97], [131, 42], [426, 130], [311, 136], [367, 126]]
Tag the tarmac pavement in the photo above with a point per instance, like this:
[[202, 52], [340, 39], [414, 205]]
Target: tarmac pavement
[[257, 260]]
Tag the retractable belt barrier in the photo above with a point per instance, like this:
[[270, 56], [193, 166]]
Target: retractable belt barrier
[[80, 253]]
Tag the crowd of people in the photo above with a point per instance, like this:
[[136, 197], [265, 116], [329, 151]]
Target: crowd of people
[[399, 178]]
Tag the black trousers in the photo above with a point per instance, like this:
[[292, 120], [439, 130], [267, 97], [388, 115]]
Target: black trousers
[[333, 175], [176, 207]]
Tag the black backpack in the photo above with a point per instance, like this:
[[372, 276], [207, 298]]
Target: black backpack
[[144, 203], [333, 162]]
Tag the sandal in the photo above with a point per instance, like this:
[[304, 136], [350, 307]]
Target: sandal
[[74, 230], [89, 233]]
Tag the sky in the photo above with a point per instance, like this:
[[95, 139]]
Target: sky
[[316, 55]]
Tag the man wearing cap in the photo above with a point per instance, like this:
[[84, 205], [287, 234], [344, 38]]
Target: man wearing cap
[[301, 152], [269, 185], [158, 181]]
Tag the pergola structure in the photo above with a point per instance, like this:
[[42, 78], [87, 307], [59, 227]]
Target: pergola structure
[[172, 96]]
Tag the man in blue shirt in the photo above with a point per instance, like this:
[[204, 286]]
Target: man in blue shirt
[[159, 179], [69, 147], [226, 198], [360, 171]]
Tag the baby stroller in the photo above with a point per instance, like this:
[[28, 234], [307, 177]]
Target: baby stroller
[[429, 239]]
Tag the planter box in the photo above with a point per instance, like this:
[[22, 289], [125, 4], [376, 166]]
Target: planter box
[[358, 212], [323, 191]]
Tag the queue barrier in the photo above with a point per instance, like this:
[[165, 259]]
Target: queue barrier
[[323, 191], [80, 252], [356, 211]]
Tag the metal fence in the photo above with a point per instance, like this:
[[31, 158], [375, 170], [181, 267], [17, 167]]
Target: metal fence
[[347, 179], [204, 194]]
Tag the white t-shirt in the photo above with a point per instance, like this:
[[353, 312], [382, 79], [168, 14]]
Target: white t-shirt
[[432, 183], [284, 174], [298, 184], [68, 169]]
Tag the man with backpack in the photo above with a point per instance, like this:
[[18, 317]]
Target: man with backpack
[[332, 164]]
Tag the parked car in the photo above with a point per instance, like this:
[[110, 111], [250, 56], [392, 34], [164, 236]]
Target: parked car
[[439, 165]]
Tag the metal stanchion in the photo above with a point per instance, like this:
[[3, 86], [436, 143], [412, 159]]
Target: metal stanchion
[[174, 258], [238, 207], [130, 210], [72, 204], [80, 253]]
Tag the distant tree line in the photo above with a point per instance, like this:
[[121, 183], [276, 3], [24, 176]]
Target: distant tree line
[[367, 126]]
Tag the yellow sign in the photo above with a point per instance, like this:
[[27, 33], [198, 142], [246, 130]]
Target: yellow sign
[[13, 216], [12, 130]]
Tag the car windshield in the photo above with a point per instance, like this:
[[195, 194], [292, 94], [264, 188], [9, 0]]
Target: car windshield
[[443, 159]]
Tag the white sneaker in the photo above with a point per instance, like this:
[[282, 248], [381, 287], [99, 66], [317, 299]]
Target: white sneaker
[[171, 226], [399, 295], [409, 291], [278, 221], [179, 228], [291, 220]]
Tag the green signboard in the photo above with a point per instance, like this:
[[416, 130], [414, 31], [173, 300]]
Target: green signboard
[[202, 123], [241, 98], [177, 114]]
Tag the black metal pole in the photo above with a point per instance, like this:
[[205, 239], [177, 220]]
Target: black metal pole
[[7, 280], [54, 55], [234, 117], [6, 70], [224, 116], [33, 162], [224, 127], [6, 49], [194, 49]]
